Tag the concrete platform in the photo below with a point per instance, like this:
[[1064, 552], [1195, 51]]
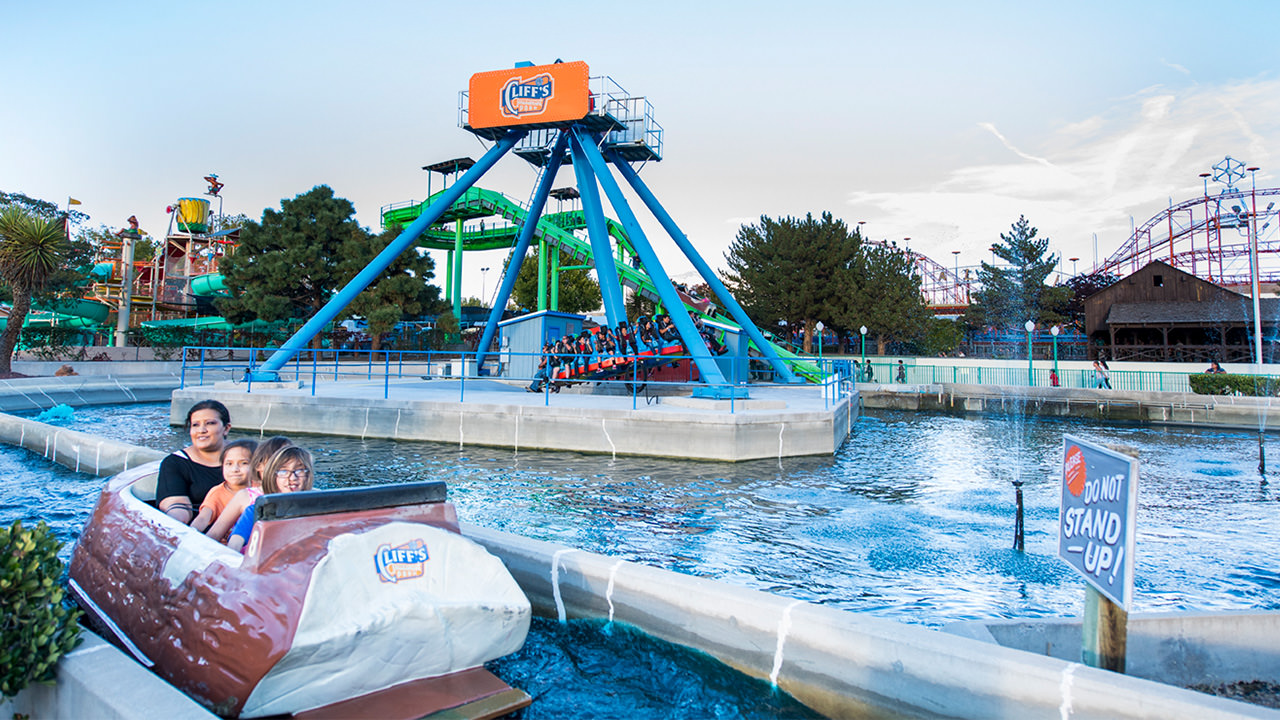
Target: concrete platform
[[774, 422]]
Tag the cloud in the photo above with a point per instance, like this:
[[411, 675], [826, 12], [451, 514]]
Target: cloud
[[1086, 176]]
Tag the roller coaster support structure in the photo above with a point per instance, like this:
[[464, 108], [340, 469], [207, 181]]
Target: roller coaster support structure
[[269, 371]]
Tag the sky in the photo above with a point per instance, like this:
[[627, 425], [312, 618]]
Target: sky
[[941, 122]]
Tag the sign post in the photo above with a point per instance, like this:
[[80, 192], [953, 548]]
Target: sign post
[[1096, 529]]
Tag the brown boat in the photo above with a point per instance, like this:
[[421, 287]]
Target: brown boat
[[361, 601]]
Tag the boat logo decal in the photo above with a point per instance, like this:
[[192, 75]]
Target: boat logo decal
[[521, 97], [402, 562]]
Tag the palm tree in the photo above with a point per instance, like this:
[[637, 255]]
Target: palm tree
[[32, 248]]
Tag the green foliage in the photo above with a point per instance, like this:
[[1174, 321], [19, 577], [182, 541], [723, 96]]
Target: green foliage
[[38, 625], [402, 290], [287, 265], [53, 343], [1081, 287], [1232, 384], [578, 292], [1012, 295], [939, 336], [809, 270], [166, 341], [32, 248]]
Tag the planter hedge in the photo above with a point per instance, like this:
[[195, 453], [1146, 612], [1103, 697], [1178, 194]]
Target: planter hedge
[[1232, 384], [38, 625]]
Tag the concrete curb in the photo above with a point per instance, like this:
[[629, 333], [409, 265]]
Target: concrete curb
[[79, 451], [838, 663], [41, 393], [97, 680]]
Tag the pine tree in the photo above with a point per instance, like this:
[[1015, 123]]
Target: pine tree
[[1012, 295]]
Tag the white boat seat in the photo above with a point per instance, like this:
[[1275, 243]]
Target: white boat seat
[[145, 487]]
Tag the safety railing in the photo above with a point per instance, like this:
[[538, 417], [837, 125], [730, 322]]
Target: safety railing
[[890, 372], [643, 377]]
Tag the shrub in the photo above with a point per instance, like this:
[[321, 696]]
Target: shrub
[[1232, 384], [38, 625], [167, 341]]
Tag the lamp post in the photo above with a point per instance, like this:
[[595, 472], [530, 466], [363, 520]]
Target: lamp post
[[1054, 331], [1030, 377], [863, 330], [1253, 268], [483, 270], [819, 328]]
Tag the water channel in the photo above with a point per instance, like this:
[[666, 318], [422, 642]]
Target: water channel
[[912, 520]]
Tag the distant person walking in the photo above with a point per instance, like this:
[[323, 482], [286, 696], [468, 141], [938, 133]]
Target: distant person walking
[[1215, 368], [1101, 376], [902, 373]]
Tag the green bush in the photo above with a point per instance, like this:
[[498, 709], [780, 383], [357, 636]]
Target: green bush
[[167, 341], [1231, 384], [38, 625]]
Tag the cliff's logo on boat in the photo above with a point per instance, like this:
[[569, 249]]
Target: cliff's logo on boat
[[527, 97], [402, 562]]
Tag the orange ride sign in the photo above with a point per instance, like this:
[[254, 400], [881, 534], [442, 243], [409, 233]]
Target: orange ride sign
[[533, 95]]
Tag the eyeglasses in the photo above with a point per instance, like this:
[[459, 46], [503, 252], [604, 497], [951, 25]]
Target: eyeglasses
[[300, 474]]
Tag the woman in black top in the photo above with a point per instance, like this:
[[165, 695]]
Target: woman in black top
[[189, 474]]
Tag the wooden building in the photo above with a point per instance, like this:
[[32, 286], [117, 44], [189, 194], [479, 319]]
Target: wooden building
[[1164, 314]]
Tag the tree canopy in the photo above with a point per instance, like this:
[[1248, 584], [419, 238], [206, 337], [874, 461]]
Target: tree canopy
[[578, 292], [802, 271], [290, 263], [403, 289], [287, 265], [1012, 295], [32, 248]]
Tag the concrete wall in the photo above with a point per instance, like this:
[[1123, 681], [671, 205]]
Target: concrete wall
[[39, 393], [1177, 648], [1158, 408], [838, 663], [98, 681], [671, 431], [79, 451]]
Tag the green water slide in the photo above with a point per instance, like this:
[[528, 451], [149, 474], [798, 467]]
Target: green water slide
[[558, 230]]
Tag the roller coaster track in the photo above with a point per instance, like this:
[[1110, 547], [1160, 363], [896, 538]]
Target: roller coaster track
[[1167, 235], [558, 230]]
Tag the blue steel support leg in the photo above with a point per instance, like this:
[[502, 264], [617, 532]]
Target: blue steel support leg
[[270, 369], [527, 230], [615, 308], [693, 343], [708, 275]]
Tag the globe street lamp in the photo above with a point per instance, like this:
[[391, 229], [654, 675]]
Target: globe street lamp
[[819, 328], [863, 330], [1054, 331], [1030, 378]]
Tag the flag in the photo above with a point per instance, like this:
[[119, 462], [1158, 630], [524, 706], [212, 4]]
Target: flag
[[72, 201]]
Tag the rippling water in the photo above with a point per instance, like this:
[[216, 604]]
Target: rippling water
[[912, 519]]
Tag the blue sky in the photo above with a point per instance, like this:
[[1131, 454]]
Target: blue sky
[[937, 121]]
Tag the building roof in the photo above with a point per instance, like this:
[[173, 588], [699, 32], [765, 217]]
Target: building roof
[[1193, 313]]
